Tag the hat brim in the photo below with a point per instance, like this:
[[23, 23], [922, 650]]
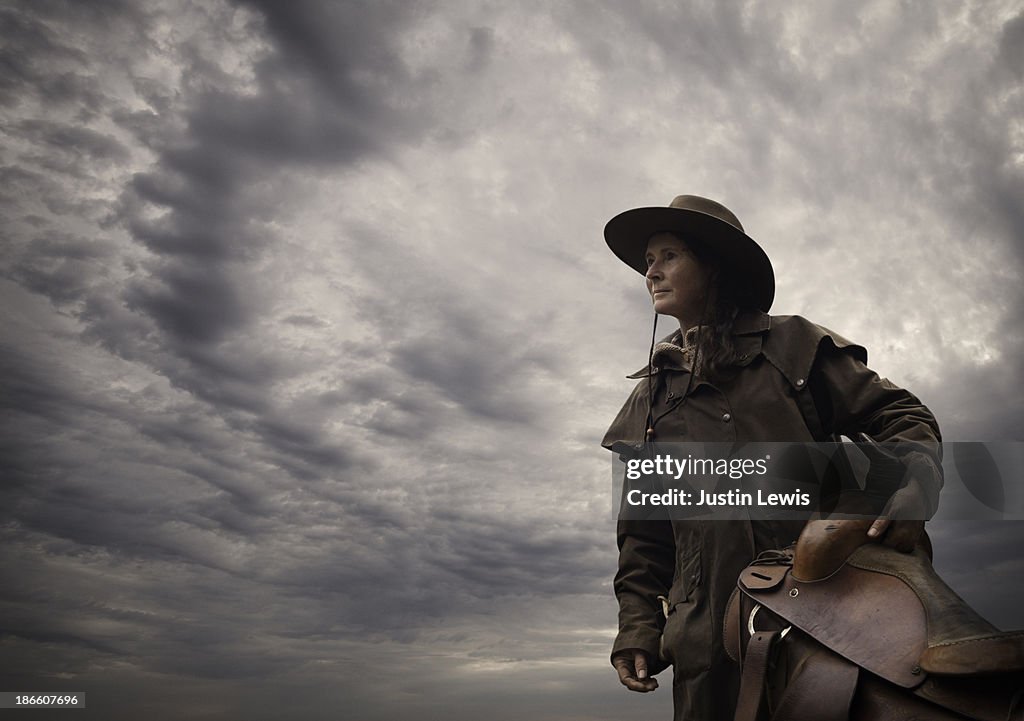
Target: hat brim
[[740, 255]]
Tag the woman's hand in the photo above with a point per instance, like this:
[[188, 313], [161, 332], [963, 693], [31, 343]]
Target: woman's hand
[[901, 523], [631, 664]]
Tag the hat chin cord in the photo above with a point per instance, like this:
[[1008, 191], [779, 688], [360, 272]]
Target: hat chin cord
[[649, 433]]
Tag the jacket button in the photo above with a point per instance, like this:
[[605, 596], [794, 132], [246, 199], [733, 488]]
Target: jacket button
[[799, 382], [671, 395], [726, 417]]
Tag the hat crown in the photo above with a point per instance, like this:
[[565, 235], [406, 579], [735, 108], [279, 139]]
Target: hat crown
[[708, 207]]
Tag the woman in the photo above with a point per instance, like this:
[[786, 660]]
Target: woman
[[732, 373]]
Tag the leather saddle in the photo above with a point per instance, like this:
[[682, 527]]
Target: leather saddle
[[852, 629]]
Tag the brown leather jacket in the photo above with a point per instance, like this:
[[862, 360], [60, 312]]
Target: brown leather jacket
[[797, 381]]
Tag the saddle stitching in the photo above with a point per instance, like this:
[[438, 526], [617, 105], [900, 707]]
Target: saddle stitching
[[1017, 634]]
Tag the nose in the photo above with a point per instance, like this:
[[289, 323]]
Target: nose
[[653, 271]]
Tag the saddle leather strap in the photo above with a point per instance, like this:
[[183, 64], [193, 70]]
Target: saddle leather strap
[[821, 689], [755, 668]]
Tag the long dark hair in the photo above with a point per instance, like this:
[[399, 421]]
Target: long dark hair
[[716, 349]]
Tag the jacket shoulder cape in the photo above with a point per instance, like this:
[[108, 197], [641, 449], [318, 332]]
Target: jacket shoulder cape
[[790, 343]]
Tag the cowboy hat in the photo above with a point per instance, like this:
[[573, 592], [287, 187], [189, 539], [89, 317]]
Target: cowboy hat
[[700, 221]]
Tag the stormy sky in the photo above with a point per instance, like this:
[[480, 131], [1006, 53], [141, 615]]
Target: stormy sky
[[310, 334]]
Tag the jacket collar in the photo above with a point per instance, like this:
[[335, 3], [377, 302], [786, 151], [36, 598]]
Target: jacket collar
[[751, 322], [749, 330]]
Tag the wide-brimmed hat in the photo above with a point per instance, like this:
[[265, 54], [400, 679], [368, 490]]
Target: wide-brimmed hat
[[700, 221]]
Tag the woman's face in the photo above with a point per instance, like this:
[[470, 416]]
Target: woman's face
[[676, 279]]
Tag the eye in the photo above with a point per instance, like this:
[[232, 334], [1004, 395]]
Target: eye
[[650, 260]]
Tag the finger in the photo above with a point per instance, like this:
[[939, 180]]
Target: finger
[[624, 669], [641, 685], [640, 664], [878, 527], [627, 676], [644, 683]]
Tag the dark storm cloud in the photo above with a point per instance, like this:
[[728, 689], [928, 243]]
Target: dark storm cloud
[[312, 105], [334, 42], [27, 39], [332, 90], [192, 304], [61, 265], [38, 61]]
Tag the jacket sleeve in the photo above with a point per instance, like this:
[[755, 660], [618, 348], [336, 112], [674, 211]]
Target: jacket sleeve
[[851, 398], [647, 551], [647, 555]]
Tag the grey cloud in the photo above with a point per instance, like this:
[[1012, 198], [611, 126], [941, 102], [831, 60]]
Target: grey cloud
[[22, 629], [202, 181], [148, 127], [499, 559], [28, 39], [59, 280], [961, 545], [335, 41], [701, 47], [460, 349], [22, 186], [482, 382], [308, 321], [74, 139], [331, 92], [304, 441], [709, 38], [39, 60], [60, 265], [481, 47], [54, 244], [36, 385], [193, 305], [277, 126], [1011, 46]]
